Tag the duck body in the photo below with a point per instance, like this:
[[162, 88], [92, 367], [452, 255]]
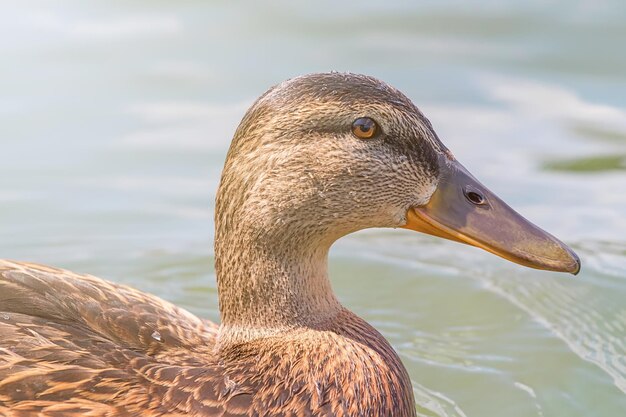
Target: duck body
[[315, 158], [76, 345]]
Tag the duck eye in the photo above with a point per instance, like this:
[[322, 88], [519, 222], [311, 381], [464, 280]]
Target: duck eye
[[364, 128]]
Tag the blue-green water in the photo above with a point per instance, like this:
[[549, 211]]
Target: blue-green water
[[115, 118]]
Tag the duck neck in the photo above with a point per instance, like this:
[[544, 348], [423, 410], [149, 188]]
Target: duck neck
[[270, 284]]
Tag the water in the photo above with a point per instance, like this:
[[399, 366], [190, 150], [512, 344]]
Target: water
[[115, 119]]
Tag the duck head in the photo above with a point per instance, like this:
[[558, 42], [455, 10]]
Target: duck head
[[324, 155]]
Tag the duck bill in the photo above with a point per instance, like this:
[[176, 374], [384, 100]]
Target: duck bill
[[464, 210]]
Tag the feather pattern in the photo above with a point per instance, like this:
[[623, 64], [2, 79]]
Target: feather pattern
[[76, 345], [295, 180]]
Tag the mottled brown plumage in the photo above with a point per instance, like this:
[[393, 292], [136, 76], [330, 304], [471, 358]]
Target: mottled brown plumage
[[296, 179], [75, 345]]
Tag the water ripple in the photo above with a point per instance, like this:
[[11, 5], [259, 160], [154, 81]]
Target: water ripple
[[590, 322]]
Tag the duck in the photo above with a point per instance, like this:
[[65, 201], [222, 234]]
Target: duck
[[315, 158]]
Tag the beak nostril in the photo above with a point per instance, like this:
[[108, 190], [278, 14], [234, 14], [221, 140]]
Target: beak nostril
[[474, 197]]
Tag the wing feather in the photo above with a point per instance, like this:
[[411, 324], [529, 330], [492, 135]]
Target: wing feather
[[76, 345], [113, 311]]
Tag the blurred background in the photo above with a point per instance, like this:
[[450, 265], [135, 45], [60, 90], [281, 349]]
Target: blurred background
[[115, 118]]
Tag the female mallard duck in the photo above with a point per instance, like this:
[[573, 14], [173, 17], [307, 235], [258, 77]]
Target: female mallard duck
[[315, 158]]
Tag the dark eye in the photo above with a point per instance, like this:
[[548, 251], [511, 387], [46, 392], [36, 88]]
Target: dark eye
[[364, 128]]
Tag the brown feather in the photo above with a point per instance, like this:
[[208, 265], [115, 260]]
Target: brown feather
[[79, 359], [295, 180]]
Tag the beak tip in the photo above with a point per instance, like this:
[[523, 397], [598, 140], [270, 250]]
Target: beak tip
[[575, 264]]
